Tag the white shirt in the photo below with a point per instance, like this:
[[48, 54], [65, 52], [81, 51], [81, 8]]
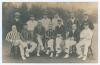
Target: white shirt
[[31, 25], [86, 34], [45, 23], [72, 20]]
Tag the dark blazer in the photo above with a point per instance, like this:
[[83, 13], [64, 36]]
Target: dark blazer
[[60, 30], [24, 35], [75, 34], [50, 34], [19, 24], [70, 23]]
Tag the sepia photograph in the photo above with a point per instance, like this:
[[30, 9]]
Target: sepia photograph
[[50, 32]]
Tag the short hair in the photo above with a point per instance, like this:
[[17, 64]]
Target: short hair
[[59, 20], [13, 26]]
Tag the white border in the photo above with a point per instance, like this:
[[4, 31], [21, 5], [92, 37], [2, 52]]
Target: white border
[[51, 0], [1, 32], [48, 1]]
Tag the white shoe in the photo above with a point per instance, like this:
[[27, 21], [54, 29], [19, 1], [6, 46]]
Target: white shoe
[[80, 56], [47, 52], [51, 55], [38, 54], [57, 54], [23, 58], [27, 55], [42, 48], [66, 56], [84, 58]]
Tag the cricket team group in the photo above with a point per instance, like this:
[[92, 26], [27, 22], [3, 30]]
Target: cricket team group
[[52, 36]]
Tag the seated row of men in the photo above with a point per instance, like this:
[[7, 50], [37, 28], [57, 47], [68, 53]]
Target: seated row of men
[[42, 39]]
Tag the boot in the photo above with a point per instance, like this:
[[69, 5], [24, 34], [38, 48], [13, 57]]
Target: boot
[[84, 58], [80, 56], [47, 52], [51, 55], [66, 56], [23, 58], [57, 54]]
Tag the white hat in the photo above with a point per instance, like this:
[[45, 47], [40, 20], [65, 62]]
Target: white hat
[[17, 14]]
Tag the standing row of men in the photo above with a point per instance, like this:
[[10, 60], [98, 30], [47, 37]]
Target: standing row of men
[[51, 35]]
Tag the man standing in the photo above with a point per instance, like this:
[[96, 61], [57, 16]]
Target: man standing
[[40, 33], [31, 24], [55, 21], [85, 40], [45, 22], [71, 22], [86, 20], [60, 36], [14, 38], [17, 21], [50, 34]]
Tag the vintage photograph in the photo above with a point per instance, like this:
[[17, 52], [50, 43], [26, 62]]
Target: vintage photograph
[[50, 32]]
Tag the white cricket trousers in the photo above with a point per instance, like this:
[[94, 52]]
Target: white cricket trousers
[[50, 44], [68, 44], [59, 42], [40, 44], [84, 42], [22, 45]]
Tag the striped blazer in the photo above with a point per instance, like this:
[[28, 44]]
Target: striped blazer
[[13, 36]]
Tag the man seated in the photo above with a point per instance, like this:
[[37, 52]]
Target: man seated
[[50, 40], [39, 32], [30, 42], [59, 31], [71, 40], [85, 40], [14, 38]]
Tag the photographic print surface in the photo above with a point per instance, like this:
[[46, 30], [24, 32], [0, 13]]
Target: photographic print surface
[[50, 32]]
